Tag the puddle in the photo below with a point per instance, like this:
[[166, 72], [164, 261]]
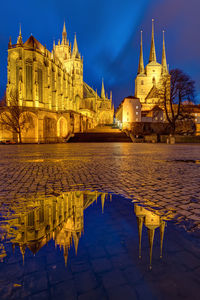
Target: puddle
[[94, 245]]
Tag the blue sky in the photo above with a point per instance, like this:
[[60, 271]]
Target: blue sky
[[108, 35]]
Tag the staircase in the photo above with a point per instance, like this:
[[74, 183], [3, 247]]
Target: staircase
[[105, 134]]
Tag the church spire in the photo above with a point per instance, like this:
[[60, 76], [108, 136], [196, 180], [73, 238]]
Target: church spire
[[64, 35], [152, 56], [75, 52], [103, 96], [164, 60], [140, 221], [151, 232], [19, 39], [141, 60], [162, 230]]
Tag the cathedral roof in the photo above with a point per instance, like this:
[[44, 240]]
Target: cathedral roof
[[34, 44], [153, 93], [88, 92]]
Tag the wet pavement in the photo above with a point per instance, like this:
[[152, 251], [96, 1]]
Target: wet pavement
[[86, 245]]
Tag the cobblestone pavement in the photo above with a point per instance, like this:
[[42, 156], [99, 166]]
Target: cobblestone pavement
[[166, 177]]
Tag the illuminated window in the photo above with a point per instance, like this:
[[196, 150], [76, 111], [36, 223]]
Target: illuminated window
[[136, 112], [195, 120], [137, 107], [136, 119], [195, 115], [29, 81], [40, 85]]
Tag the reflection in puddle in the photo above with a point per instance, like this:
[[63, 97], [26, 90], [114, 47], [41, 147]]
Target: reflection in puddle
[[61, 218]]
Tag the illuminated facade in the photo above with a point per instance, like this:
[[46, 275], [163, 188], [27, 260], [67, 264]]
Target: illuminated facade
[[149, 80], [59, 218], [50, 86]]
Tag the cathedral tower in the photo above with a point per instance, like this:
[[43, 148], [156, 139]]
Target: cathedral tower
[[150, 79]]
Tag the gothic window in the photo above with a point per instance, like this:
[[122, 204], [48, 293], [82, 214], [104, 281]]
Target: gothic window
[[29, 81], [142, 82], [40, 85], [153, 80], [17, 76]]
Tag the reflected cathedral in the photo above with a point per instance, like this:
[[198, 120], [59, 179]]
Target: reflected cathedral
[[61, 218]]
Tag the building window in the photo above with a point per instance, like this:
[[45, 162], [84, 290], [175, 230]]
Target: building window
[[195, 114], [136, 119], [142, 82], [40, 85], [29, 82], [136, 112], [127, 119], [153, 80], [153, 70], [137, 107], [195, 120]]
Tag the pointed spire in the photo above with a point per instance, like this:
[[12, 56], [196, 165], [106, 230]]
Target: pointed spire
[[19, 39], [152, 56], [64, 35], [162, 230], [103, 96], [151, 238], [103, 198], [141, 60], [140, 221], [75, 52], [65, 254], [164, 60], [10, 43], [76, 237]]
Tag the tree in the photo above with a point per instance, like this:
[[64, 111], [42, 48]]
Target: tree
[[177, 88], [13, 117]]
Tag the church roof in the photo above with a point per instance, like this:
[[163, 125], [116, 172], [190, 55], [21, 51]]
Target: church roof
[[34, 44], [88, 92], [153, 93]]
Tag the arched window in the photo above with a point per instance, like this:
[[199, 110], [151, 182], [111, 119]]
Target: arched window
[[142, 82], [153, 80], [40, 85], [29, 80]]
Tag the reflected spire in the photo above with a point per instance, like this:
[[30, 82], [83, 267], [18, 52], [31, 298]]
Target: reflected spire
[[140, 221], [103, 198], [162, 230], [151, 239], [141, 60], [152, 56]]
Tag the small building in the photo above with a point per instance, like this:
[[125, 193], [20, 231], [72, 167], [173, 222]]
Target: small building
[[154, 115], [128, 112]]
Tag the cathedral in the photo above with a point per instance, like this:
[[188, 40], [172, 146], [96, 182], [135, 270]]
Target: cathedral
[[147, 103], [50, 86], [150, 79]]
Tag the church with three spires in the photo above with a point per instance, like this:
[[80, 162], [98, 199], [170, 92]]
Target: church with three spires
[[146, 104]]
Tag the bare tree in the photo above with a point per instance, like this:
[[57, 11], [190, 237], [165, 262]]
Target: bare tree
[[177, 88], [13, 117]]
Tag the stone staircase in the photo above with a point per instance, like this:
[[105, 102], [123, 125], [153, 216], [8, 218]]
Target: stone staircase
[[104, 134]]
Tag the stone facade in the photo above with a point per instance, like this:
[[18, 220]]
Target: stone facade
[[128, 112], [149, 80], [50, 85]]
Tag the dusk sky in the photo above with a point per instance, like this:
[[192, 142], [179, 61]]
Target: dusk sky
[[108, 35]]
